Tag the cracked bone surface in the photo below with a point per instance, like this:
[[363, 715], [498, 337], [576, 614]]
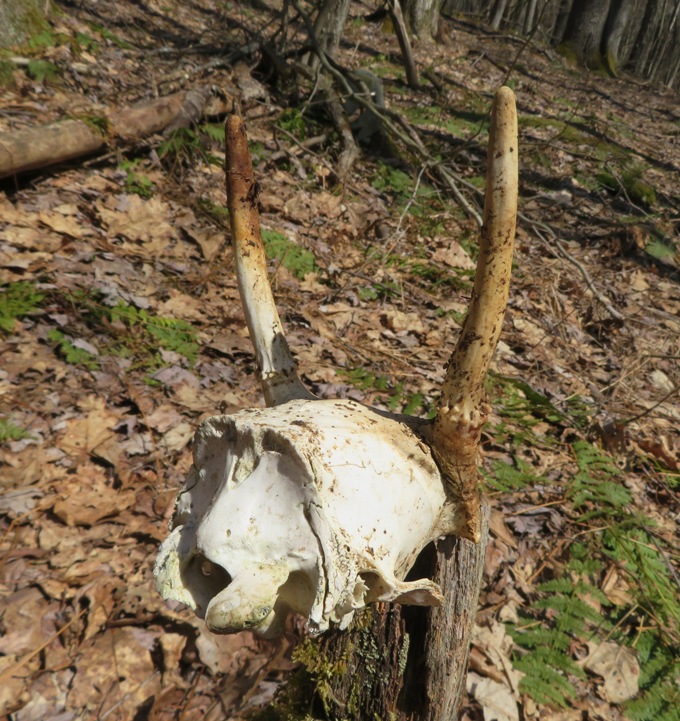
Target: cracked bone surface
[[320, 507]]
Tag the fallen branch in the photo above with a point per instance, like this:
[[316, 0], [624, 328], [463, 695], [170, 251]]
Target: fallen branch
[[42, 146], [389, 121], [564, 253]]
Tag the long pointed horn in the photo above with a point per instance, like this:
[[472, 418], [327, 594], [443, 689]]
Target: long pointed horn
[[278, 375], [462, 408]]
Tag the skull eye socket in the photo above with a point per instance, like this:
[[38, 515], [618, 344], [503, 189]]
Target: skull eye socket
[[204, 579]]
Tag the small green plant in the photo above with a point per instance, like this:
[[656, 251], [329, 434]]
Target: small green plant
[[293, 122], [185, 143], [507, 477], [11, 432], [438, 276], [43, 39], [460, 124], [628, 179], [147, 333], [86, 43], [16, 301], [380, 291], [218, 213], [215, 131], [112, 37], [298, 260], [123, 331], [543, 654], [42, 70], [136, 183], [71, 353], [385, 391], [392, 180]]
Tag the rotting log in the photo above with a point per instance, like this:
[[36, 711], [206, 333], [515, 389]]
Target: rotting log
[[40, 147]]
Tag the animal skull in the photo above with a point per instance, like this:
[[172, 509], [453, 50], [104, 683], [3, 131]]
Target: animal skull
[[321, 506], [318, 507]]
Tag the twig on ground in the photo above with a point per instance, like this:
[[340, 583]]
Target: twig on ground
[[9, 672], [647, 411], [564, 253], [305, 145]]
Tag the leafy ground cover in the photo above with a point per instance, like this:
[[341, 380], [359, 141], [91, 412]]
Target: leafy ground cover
[[120, 329]]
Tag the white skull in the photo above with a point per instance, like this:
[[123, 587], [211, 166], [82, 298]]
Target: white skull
[[317, 507]]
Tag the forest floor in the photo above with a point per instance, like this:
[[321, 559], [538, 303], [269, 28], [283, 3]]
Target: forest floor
[[121, 329]]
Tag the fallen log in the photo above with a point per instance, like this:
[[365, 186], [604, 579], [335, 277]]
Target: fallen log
[[45, 145]]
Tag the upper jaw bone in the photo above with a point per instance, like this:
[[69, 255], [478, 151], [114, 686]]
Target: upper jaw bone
[[319, 507]]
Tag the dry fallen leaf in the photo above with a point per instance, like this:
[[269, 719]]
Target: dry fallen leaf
[[116, 674], [453, 255], [86, 497], [496, 699], [618, 666]]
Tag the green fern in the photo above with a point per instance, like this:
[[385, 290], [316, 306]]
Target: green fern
[[545, 680], [298, 260], [506, 477], [168, 333], [592, 487], [71, 353], [659, 682], [572, 607], [16, 301]]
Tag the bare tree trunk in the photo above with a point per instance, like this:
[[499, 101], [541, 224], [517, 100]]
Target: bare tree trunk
[[498, 12], [329, 25], [614, 30], [583, 34], [665, 47], [404, 43], [530, 17], [422, 18]]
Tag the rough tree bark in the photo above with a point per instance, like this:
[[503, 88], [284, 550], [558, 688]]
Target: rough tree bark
[[614, 30], [401, 662], [422, 18], [328, 27], [584, 31]]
